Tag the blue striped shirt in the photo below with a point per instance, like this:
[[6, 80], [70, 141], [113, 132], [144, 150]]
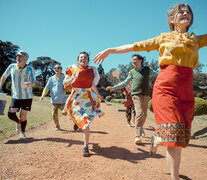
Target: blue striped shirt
[[18, 78]]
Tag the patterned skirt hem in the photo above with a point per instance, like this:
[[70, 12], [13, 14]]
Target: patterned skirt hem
[[173, 134]]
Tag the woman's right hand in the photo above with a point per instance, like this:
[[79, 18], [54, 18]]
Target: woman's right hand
[[99, 58], [69, 79], [109, 88]]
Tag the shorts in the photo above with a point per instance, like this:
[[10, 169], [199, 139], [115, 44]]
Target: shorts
[[24, 104]]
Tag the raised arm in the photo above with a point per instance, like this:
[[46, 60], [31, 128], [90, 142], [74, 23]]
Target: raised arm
[[121, 84], [99, 58]]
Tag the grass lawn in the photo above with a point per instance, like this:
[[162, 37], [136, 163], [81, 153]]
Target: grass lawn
[[199, 124], [41, 113]]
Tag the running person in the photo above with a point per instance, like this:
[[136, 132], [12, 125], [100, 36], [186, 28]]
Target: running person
[[173, 97], [23, 78], [83, 103], [130, 111], [57, 93]]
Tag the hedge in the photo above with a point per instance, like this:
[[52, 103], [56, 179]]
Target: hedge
[[35, 89], [120, 101]]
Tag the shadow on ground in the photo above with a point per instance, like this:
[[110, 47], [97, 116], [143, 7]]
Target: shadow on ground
[[181, 176], [31, 140], [115, 152], [199, 132]]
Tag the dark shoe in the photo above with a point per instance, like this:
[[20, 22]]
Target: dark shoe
[[86, 152], [75, 127], [64, 113]]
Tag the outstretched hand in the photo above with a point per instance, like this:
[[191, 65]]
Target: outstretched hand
[[99, 58]]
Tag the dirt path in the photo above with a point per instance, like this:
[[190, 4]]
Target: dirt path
[[49, 154]]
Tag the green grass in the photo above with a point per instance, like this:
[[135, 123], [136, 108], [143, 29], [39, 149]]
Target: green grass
[[41, 113]]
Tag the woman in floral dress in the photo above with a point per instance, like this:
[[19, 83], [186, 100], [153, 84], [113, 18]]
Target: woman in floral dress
[[83, 103]]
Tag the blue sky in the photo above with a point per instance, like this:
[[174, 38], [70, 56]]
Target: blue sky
[[60, 29]]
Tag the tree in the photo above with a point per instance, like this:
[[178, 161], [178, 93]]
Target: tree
[[154, 64], [198, 77], [43, 67], [124, 70], [7, 54], [110, 78], [103, 82], [100, 69]]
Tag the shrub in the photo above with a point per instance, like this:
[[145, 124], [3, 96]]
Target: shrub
[[200, 94], [40, 90], [108, 98], [8, 87], [120, 101], [150, 105], [37, 90], [200, 106]]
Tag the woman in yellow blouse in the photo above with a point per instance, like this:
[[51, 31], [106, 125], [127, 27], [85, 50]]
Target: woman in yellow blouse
[[173, 98]]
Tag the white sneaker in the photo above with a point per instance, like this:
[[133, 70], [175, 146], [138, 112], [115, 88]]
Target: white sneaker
[[22, 136], [138, 140], [18, 128]]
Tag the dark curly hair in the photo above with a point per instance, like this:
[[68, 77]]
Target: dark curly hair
[[139, 57]]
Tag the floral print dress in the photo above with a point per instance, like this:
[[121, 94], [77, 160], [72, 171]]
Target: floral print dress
[[83, 104]]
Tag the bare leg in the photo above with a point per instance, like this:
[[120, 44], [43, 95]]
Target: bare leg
[[86, 134], [173, 155], [23, 115]]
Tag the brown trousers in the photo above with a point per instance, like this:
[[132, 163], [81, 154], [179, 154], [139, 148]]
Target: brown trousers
[[140, 105]]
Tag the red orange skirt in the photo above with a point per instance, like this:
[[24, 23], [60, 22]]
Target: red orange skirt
[[173, 105]]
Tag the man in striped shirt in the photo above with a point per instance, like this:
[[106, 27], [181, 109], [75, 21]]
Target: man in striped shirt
[[23, 78]]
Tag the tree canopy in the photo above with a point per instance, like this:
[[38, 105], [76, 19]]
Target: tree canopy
[[7, 54], [43, 67]]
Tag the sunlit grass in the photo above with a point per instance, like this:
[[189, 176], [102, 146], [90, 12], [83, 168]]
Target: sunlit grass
[[40, 114]]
